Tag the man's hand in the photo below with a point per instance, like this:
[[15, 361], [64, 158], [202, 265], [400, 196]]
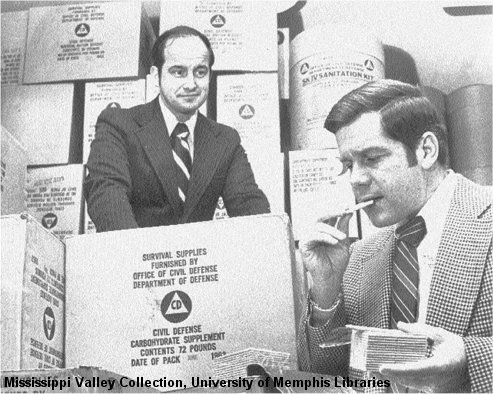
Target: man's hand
[[325, 252], [444, 371]]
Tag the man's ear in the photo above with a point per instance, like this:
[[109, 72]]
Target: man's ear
[[155, 75], [427, 150]]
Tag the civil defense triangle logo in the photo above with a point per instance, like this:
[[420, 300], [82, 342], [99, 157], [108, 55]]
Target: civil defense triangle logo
[[218, 21], [82, 30], [49, 323], [176, 306], [49, 220], [246, 111]]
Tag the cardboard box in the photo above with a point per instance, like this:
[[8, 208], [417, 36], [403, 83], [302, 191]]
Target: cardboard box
[[14, 166], [87, 41], [14, 33], [40, 117], [168, 300], [100, 95], [250, 104], [243, 34], [315, 187], [54, 198], [33, 295]]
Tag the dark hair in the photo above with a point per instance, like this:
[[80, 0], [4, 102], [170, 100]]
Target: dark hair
[[157, 53], [406, 114]]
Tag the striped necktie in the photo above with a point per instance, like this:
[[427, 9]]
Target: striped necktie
[[404, 306], [183, 159]]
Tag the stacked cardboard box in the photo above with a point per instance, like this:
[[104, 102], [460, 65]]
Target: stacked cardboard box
[[250, 104], [242, 33], [40, 117], [33, 295], [14, 165], [54, 198], [14, 32], [87, 41]]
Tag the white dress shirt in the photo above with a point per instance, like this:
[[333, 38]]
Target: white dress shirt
[[434, 212], [171, 123]]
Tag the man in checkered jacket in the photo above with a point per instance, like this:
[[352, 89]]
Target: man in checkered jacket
[[394, 147]]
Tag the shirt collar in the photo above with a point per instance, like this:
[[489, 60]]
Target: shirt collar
[[434, 212], [171, 120]]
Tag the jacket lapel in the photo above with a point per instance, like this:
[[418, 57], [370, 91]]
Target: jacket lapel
[[461, 258], [154, 139], [376, 288], [208, 151]]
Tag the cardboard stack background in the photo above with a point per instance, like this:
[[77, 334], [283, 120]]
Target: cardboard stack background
[[47, 120], [54, 198], [14, 32], [87, 41], [41, 118], [250, 104], [242, 33], [13, 171], [76, 54], [33, 295]]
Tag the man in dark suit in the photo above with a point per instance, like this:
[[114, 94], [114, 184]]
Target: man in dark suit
[[164, 163], [427, 271]]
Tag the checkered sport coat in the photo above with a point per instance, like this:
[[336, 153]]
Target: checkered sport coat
[[461, 293]]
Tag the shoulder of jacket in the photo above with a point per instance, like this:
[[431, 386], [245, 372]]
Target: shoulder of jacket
[[472, 198], [125, 117], [222, 130], [367, 247]]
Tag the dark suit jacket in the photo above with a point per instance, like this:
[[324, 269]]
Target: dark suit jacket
[[461, 291], [131, 172]]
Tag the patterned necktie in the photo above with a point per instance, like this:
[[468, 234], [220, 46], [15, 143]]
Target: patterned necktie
[[183, 159], [404, 306]]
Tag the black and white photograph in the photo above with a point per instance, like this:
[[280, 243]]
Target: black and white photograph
[[240, 196]]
